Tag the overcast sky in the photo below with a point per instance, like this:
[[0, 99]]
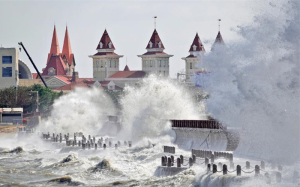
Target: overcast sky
[[129, 24]]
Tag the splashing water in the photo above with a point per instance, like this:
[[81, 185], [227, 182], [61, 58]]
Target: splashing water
[[146, 108], [259, 87], [84, 110]]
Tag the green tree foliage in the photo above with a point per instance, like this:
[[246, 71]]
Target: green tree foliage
[[27, 99]]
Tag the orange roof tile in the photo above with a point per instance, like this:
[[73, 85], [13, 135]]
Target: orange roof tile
[[57, 63]]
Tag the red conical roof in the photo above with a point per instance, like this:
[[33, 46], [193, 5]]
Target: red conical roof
[[197, 42], [155, 40], [57, 64], [126, 68], [67, 51], [219, 38], [54, 50], [105, 40]]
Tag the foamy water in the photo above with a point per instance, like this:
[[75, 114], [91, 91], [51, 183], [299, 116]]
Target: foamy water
[[254, 86]]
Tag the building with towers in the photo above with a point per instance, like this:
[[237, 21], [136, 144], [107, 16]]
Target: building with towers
[[155, 60], [105, 61], [60, 63], [193, 62]]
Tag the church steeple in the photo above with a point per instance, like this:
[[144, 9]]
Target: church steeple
[[54, 49], [67, 51]]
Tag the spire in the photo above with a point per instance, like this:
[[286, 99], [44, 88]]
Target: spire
[[67, 51], [54, 50], [126, 68], [219, 39], [105, 42], [155, 41], [197, 44]]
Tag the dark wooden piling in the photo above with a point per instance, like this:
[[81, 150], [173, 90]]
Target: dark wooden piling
[[225, 169], [178, 162], [257, 170], [238, 170], [247, 165], [215, 168]]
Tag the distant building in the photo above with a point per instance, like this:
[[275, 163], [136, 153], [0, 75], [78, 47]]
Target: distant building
[[11, 115], [195, 72], [60, 64], [155, 60], [105, 61], [13, 72], [193, 62]]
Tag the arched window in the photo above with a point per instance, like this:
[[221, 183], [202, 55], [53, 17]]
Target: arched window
[[191, 65]]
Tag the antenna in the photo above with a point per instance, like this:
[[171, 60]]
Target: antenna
[[154, 21], [219, 24]]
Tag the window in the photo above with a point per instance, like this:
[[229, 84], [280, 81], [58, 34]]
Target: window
[[110, 63], [6, 59], [164, 63], [7, 72], [191, 65], [146, 63], [160, 63], [115, 63], [97, 64], [101, 64], [150, 63]]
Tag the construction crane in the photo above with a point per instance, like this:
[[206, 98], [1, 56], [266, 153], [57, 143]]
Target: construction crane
[[21, 44]]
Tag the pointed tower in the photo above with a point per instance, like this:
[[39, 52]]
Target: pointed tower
[[218, 41], [55, 64], [67, 55], [193, 62], [155, 60], [54, 49], [105, 61]]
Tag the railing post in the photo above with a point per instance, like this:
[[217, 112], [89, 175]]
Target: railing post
[[96, 146], [194, 158], [191, 161], [169, 162], [257, 170], [224, 169], [181, 159], [178, 162], [104, 146], [238, 170], [162, 161], [214, 168], [247, 165]]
